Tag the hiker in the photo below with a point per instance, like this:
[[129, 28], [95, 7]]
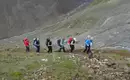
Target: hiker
[[88, 44], [49, 45], [36, 43], [72, 44], [61, 43], [26, 44]]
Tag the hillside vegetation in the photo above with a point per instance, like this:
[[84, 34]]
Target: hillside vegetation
[[106, 20], [18, 65]]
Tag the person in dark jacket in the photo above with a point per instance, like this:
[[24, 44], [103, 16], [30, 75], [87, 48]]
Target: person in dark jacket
[[49, 45], [72, 45], [36, 43]]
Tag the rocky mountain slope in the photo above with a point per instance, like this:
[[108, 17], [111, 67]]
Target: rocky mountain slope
[[21, 16], [106, 20]]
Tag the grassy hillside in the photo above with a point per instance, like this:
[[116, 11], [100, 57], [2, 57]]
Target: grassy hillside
[[106, 20], [18, 65]]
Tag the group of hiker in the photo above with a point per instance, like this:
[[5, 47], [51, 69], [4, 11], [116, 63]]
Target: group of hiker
[[61, 42], [36, 44]]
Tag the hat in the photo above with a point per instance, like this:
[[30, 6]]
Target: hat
[[34, 38], [75, 39], [37, 38], [88, 36]]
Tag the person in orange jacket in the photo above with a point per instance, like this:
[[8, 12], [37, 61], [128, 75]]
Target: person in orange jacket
[[26, 44]]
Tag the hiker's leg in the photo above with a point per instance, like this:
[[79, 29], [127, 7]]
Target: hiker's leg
[[48, 49], [88, 49], [60, 49], [51, 49], [27, 48], [64, 49], [73, 47], [38, 49], [85, 49], [91, 54]]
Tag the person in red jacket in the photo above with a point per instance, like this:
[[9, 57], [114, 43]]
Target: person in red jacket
[[26, 44]]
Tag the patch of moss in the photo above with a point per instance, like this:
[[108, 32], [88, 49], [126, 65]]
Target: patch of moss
[[128, 65]]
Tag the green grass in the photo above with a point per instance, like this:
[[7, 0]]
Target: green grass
[[18, 65], [128, 65], [22, 66]]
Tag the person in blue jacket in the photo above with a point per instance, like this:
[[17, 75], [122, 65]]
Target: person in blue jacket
[[88, 44]]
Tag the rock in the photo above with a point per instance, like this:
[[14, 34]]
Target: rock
[[128, 59], [100, 72], [126, 69], [58, 57], [45, 60], [100, 63], [96, 67], [90, 77], [43, 79], [90, 71], [49, 77], [105, 60], [110, 64]]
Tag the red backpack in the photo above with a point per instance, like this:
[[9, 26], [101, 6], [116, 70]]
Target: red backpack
[[70, 39]]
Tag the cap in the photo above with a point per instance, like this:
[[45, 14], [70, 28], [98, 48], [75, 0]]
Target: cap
[[88, 36], [37, 38], [34, 38], [75, 39]]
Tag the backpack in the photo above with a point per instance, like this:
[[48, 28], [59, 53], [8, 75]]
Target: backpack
[[72, 42], [34, 42], [70, 39], [37, 43], [49, 43], [58, 42]]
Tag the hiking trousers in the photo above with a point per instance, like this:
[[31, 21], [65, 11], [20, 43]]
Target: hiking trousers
[[89, 52], [87, 48], [38, 49], [62, 48], [49, 49], [27, 49], [72, 47]]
